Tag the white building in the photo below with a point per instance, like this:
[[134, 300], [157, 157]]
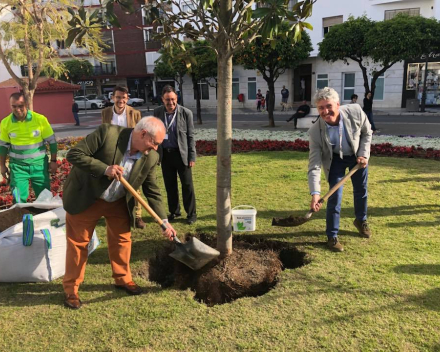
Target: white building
[[392, 89]]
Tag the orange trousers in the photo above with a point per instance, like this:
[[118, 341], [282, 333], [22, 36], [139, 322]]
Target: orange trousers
[[79, 231]]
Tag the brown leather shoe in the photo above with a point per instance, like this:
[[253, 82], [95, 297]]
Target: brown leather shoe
[[335, 245], [140, 224], [131, 288], [363, 228], [72, 301]]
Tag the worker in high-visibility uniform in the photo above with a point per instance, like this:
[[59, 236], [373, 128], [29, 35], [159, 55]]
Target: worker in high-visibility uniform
[[23, 135]]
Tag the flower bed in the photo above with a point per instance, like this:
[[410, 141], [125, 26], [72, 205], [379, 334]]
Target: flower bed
[[252, 140]]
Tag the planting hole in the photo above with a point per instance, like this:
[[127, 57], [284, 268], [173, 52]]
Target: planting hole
[[251, 270]]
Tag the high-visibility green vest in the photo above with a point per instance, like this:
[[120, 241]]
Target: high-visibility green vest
[[25, 140]]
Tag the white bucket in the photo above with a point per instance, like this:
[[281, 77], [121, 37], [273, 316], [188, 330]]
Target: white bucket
[[244, 218]]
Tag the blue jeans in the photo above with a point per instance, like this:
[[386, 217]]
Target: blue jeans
[[359, 181], [75, 116], [370, 119]]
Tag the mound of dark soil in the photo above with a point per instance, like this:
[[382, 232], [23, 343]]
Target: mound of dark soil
[[251, 270], [11, 217], [14, 216]]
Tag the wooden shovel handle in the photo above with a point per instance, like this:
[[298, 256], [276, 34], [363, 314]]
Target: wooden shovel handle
[[143, 203], [340, 183]]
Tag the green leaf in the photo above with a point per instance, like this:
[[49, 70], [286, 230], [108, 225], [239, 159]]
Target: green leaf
[[307, 25], [72, 35], [241, 226]]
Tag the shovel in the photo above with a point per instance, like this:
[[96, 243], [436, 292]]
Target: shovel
[[296, 221], [194, 253]]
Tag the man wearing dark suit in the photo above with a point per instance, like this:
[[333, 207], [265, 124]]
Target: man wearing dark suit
[[92, 190], [121, 114], [179, 154]]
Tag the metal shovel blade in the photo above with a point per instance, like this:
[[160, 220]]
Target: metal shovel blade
[[194, 253]]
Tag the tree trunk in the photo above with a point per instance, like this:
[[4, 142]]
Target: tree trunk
[[271, 85], [28, 97], [199, 107], [224, 135], [181, 90], [364, 75]]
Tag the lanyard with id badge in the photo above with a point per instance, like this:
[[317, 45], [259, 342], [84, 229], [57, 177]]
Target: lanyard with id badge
[[167, 127]]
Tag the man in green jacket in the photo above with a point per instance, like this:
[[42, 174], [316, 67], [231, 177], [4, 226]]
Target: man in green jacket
[[23, 135], [92, 190]]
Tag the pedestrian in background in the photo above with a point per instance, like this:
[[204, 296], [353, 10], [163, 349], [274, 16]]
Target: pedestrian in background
[[353, 99], [259, 97], [75, 111], [368, 109], [302, 111], [284, 96], [24, 135]]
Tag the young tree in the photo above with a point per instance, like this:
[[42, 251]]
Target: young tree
[[273, 61], [376, 46], [227, 26], [27, 30], [197, 60], [172, 65], [76, 70], [203, 67]]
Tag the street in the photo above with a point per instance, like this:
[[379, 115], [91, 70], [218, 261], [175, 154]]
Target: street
[[247, 119]]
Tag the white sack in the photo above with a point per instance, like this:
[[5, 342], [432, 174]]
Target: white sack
[[35, 263]]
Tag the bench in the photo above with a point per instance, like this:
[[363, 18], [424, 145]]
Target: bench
[[307, 122]]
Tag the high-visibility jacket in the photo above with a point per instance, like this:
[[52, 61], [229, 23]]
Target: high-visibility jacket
[[25, 140]]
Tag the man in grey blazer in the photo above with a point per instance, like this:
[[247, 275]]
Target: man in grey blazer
[[178, 154], [340, 139]]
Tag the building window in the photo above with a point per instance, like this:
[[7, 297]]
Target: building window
[[380, 87], [321, 81], [328, 22], [252, 88], [416, 76], [203, 90], [389, 14], [235, 87], [348, 85], [188, 6]]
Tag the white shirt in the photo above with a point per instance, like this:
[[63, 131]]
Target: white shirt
[[116, 190], [120, 120]]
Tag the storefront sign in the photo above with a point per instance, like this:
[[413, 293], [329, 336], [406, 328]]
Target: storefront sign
[[85, 83], [431, 55]]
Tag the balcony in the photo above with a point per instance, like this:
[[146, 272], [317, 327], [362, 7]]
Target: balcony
[[104, 71], [153, 45]]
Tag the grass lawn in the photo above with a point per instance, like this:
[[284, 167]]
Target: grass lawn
[[381, 294]]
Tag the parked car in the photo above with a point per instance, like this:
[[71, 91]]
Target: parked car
[[103, 98], [135, 101], [86, 103]]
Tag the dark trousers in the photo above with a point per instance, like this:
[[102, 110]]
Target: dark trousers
[[370, 119], [172, 165], [295, 117], [75, 116], [359, 181]]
